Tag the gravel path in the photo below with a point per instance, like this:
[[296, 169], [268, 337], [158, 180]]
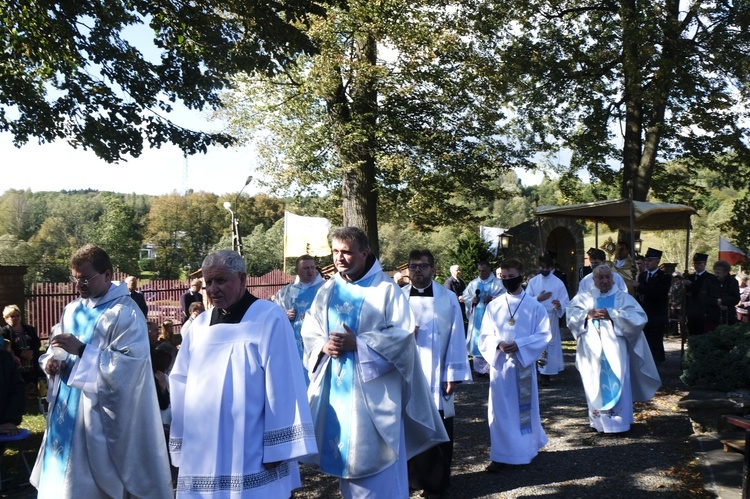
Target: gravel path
[[654, 458]]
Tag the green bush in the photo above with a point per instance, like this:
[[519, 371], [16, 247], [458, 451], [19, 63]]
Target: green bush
[[720, 359], [146, 264]]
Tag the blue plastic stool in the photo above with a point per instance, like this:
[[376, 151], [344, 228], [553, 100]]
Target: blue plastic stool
[[6, 440]]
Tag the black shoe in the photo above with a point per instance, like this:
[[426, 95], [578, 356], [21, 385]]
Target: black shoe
[[495, 467], [544, 379]]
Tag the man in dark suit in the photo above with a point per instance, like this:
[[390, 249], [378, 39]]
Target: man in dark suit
[[693, 284], [457, 285], [137, 296], [653, 294], [557, 272], [191, 296], [12, 393]]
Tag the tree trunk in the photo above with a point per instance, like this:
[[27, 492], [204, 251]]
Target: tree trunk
[[355, 122], [631, 152], [662, 85]]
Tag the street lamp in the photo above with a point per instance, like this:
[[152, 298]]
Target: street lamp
[[503, 241], [235, 232], [236, 237], [638, 246]]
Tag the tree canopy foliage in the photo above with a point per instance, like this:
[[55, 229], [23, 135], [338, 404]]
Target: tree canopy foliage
[[622, 82], [70, 69], [185, 227], [415, 107], [392, 112]]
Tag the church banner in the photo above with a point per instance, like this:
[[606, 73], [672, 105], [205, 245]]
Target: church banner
[[305, 235]]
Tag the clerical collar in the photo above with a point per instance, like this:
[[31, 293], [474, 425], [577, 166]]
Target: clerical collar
[[234, 313], [369, 262], [425, 292]]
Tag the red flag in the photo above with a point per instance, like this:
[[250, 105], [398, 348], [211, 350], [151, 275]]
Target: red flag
[[730, 253]]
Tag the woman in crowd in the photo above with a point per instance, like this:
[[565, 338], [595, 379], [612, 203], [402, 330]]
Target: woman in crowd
[[24, 342], [168, 335], [720, 294]]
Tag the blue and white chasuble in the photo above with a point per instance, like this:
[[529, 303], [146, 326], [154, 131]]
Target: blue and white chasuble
[[64, 411], [298, 297], [104, 434], [609, 382], [477, 319], [345, 307], [371, 407], [612, 356]]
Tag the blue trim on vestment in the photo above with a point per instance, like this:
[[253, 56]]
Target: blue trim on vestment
[[610, 385], [344, 308], [478, 316], [64, 411]]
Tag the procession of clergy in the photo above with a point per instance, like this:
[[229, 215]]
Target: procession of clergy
[[372, 400]]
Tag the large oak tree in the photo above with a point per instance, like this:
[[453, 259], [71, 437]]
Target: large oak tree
[[395, 111], [626, 82]]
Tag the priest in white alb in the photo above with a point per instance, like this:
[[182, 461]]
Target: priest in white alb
[[104, 435], [369, 398], [240, 418], [478, 293], [297, 297], [439, 332], [515, 332], [550, 291], [612, 354]]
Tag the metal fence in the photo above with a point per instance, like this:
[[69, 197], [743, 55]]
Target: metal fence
[[46, 301]]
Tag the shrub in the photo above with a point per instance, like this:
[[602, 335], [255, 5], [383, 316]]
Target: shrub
[[720, 359], [146, 264]]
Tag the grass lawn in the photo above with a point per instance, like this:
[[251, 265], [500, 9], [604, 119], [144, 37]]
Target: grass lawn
[[34, 421]]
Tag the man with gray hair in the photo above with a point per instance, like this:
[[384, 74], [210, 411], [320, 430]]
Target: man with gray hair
[[612, 353], [132, 282], [193, 295], [240, 418], [369, 398]]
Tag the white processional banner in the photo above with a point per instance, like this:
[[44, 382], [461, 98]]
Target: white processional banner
[[305, 235]]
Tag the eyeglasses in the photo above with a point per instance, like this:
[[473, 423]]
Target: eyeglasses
[[420, 266], [83, 280]]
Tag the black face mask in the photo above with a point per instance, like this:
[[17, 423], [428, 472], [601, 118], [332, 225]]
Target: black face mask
[[512, 284], [545, 273]]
